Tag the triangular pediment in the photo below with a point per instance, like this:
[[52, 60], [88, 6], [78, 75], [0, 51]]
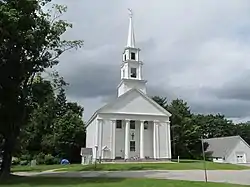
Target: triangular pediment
[[134, 102]]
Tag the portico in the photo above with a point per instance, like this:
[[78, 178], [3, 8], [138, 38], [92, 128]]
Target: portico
[[133, 138]]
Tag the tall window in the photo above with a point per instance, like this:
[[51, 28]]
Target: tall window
[[132, 56], [133, 72], [132, 146], [132, 124], [118, 124]]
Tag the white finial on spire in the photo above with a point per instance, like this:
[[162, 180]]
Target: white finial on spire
[[130, 12], [131, 35]]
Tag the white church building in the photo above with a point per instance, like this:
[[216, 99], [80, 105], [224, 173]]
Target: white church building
[[133, 126]]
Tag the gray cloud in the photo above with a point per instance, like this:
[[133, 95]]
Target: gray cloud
[[230, 108], [236, 89], [93, 81]]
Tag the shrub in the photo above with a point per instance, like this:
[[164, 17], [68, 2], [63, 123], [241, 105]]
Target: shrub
[[50, 160], [26, 157], [40, 158], [24, 162]]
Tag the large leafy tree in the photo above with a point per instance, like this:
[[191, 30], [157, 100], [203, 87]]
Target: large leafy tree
[[69, 136], [180, 124], [41, 118], [30, 42]]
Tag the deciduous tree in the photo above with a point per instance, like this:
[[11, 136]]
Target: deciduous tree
[[30, 42]]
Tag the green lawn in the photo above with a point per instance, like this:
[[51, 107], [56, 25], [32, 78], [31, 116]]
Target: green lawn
[[133, 166], [103, 182]]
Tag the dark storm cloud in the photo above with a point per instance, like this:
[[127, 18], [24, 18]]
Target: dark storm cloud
[[229, 108], [237, 89], [92, 81]]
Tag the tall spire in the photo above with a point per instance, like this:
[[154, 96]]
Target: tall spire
[[131, 35], [131, 67]]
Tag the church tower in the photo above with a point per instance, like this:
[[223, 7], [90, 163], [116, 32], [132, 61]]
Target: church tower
[[131, 67]]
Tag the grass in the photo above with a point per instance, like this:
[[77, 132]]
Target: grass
[[39, 168], [103, 182], [185, 165]]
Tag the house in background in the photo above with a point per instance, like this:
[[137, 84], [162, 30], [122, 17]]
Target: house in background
[[133, 126], [232, 149]]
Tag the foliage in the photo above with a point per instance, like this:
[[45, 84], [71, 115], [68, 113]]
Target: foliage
[[55, 129], [30, 42], [24, 162], [70, 136], [50, 160], [243, 129], [187, 129], [40, 158]]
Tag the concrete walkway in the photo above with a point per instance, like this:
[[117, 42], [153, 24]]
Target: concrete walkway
[[228, 176]]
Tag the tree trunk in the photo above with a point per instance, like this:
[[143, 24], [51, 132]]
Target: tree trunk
[[8, 147]]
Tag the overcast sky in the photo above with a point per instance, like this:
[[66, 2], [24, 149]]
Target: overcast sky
[[195, 50]]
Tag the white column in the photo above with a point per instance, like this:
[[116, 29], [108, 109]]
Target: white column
[[126, 156], [154, 141], [113, 129], [157, 140], [142, 140], [96, 154], [168, 135], [100, 133], [139, 72]]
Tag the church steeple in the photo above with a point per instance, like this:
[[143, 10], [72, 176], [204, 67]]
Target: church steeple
[[131, 68]]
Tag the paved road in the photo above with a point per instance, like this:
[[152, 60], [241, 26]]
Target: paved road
[[229, 176]]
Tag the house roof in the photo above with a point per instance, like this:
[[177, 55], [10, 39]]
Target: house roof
[[222, 146], [122, 97]]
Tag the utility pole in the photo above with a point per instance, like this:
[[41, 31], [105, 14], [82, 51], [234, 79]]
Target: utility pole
[[204, 159]]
